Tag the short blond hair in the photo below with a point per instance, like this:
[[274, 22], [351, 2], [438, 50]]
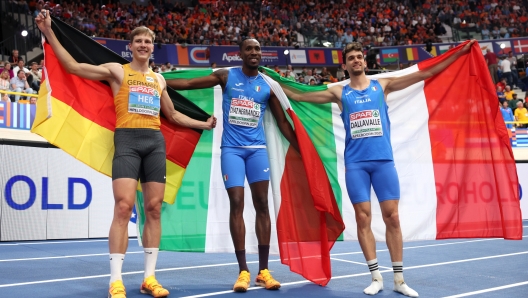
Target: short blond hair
[[141, 30]]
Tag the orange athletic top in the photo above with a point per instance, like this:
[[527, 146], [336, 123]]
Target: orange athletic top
[[137, 102]]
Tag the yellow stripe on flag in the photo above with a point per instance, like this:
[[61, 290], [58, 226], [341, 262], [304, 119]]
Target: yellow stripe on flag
[[173, 183], [65, 128]]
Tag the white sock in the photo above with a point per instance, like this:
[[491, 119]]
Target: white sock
[[116, 263], [151, 256], [397, 268], [399, 284], [377, 280]]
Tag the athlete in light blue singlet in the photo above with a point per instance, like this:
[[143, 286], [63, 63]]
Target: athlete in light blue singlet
[[245, 98], [368, 150], [368, 153]]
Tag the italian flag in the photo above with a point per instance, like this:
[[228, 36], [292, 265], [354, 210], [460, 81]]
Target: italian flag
[[452, 152]]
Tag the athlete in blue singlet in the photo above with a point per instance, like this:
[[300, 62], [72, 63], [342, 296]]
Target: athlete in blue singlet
[[245, 98], [368, 153]]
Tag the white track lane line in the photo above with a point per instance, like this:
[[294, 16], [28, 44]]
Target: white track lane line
[[368, 273], [66, 257], [358, 263], [336, 254], [488, 290]]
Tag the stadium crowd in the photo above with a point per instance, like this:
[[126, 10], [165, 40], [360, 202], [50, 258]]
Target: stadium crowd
[[281, 23]]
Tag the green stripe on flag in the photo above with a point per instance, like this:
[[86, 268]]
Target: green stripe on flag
[[317, 120], [184, 224]]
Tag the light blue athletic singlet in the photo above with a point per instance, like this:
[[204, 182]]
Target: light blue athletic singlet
[[244, 102], [367, 125]]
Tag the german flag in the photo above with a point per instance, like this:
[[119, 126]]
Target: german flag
[[78, 115]]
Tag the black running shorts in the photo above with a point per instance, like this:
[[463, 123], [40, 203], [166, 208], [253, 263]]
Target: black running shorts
[[139, 154]]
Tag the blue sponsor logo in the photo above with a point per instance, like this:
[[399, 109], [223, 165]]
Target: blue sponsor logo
[[72, 183]]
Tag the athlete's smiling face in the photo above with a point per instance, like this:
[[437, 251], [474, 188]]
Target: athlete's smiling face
[[250, 53], [355, 63], [142, 46]]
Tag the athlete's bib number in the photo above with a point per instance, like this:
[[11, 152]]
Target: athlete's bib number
[[143, 100], [365, 124], [244, 112]]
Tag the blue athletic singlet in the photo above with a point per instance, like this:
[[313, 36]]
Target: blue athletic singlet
[[244, 102], [367, 125]]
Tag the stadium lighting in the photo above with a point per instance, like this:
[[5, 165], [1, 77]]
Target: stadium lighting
[[286, 52], [24, 33]]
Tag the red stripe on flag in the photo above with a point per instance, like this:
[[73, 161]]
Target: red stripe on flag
[[93, 100], [309, 221], [180, 142], [476, 186]]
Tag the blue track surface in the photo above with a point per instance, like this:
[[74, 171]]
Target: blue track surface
[[458, 268]]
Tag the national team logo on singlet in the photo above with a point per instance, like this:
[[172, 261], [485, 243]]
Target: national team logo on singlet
[[365, 124], [244, 112], [143, 100]]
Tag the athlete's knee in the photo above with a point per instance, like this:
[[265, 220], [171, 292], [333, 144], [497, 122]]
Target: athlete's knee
[[153, 209], [261, 204], [123, 210], [391, 219], [363, 219], [236, 206]]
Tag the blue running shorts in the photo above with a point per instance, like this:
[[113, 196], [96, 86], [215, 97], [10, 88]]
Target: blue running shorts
[[381, 174], [237, 163]]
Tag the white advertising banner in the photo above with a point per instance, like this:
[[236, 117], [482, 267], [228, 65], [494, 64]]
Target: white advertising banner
[[47, 194]]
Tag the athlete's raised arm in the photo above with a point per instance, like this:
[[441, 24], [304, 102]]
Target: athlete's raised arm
[[218, 77], [332, 94], [105, 72]]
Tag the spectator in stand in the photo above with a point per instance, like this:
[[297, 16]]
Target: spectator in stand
[[4, 85], [502, 84], [513, 66], [507, 113], [33, 100], [308, 77], [508, 93], [37, 76], [491, 60], [20, 66], [20, 84], [521, 115], [506, 71], [512, 103], [325, 75], [500, 95], [7, 67], [13, 59]]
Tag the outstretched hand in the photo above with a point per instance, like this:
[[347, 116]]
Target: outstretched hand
[[211, 122], [468, 46], [43, 21]]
